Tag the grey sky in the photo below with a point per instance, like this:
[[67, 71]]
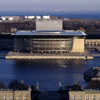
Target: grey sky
[[30, 5]]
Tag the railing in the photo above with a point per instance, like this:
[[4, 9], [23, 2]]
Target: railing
[[92, 43]]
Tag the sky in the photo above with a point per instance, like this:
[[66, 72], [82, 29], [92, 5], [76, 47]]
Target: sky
[[38, 5]]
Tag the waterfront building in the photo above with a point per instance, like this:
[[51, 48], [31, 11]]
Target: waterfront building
[[29, 17], [46, 17], [50, 38], [38, 17], [11, 18], [88, 94], [3, 18], [15, 95]]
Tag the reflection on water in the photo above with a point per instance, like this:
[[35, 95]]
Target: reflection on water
[[57, 63], [47, 72]]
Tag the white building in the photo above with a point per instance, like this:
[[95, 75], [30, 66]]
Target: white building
[[38, 17], [10, 18], [31, 17], [3, 18], [46, 17], [84, 95], [49, 25]]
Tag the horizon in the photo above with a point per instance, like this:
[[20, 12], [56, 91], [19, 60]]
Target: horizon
[[51, 11], [45, 5]]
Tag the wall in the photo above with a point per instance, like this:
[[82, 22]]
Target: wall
[[78, 45], [49, 25]]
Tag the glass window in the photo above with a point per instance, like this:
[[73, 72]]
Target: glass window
[[87, 97], [94, 97], [11, 97], [24, 97], [80, 97], [4, 97], [18, 98], [73, 97]]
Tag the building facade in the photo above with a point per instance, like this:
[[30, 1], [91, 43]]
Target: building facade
[[84, 95], [15, 95], [49, 38], [49, 25]]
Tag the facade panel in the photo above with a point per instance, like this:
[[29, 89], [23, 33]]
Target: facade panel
[[49, 25], [43, 45]]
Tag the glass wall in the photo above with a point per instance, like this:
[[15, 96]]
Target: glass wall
[[48, 45], [43, 45]]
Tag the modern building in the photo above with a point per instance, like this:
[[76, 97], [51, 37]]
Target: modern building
[[88, 94], [50, 38]]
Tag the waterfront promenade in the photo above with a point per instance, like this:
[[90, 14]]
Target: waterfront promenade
[[17, 55]]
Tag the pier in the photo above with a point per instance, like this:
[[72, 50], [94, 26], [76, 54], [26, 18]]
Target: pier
[[19, 56]]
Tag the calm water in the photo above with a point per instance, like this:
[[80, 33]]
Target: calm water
[[47, 72]]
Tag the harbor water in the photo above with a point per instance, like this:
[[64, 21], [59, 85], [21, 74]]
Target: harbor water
[[47, 72]]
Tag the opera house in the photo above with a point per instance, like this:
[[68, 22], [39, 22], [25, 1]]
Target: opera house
[[49, 41], [49, 38]]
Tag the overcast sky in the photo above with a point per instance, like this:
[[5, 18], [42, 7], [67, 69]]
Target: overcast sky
[[67, 5]]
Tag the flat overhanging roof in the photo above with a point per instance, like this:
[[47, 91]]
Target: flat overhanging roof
[[39, 33]]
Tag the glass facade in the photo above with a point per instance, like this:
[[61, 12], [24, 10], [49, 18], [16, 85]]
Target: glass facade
[[44, 45]]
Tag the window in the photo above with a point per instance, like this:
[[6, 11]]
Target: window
[[80, 97], [24, 97], [18, 98], [11, 97], [87, 97], [4, 97], [93, 97], [73, 97]]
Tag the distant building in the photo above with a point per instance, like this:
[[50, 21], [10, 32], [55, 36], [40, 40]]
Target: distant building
[[38, 17], [3, 18], [29, 17], [15, 95], [84, 95], [46, 17], [11, 18]]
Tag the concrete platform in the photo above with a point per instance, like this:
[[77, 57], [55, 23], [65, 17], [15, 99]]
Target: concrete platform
[[19, 56]]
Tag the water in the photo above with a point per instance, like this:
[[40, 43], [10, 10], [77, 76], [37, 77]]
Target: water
[[59, 14], [47, 72]]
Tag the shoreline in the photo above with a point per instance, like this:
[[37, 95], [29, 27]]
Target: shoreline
[[19, 56]]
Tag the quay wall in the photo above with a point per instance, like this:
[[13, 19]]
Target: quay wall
[[18, 57]]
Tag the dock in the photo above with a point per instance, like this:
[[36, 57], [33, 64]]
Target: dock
[[19, 56]]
